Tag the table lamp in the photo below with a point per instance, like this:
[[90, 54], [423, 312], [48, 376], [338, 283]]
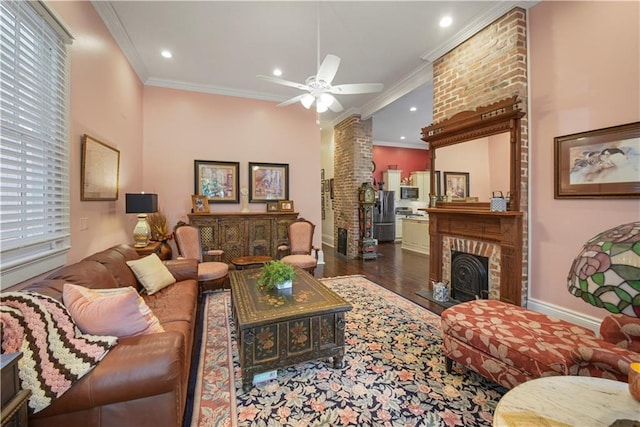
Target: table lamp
[[141, 204], [606, 272]]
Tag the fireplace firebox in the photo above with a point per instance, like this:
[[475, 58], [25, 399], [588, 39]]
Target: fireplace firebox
[[469, 279]]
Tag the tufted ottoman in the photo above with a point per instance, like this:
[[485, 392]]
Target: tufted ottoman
[[510, 344]]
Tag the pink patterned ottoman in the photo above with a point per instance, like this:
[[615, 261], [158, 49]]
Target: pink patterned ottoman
[[510, 344]]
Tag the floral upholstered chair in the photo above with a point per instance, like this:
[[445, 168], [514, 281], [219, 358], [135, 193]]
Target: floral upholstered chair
[[211, 274], [300, 251]]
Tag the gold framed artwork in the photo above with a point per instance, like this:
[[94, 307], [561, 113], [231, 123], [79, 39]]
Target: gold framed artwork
[[218, 181], [285, 205], [199, 204], [99, 170], [268, 181], [598, 164]]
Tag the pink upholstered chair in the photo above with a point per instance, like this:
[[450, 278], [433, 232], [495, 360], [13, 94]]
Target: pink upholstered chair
[[300, 251], [211, 274]]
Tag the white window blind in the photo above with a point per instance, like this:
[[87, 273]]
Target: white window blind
[[34, 142]]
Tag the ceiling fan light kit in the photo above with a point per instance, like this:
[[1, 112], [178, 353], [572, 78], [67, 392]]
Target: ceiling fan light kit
[[320, 90]]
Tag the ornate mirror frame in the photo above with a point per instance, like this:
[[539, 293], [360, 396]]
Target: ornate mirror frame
[[499, 117]]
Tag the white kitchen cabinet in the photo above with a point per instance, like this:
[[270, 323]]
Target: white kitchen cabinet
[[415, 232], [392, 180], [398, 228], [422, 180]]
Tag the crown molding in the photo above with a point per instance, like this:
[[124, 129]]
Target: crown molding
[[216, 90], [419, 76], [111, 20], [414, 145], [475, 26]]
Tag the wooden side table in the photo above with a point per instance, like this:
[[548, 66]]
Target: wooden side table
[[152, 248], [14, 399], [250, 261]]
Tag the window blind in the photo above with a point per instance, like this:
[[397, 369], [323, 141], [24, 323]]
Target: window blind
[[34, 142]]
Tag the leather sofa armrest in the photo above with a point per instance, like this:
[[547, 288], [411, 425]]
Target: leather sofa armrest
[[622, 331], [183, 269], [136, 368], [605, 356]]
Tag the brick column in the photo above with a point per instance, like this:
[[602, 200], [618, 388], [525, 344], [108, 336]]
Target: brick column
[[352, 166], [490, 66]]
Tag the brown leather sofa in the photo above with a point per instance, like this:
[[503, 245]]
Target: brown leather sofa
[[142, 381]]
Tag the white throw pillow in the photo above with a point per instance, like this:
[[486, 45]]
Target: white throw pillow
[[151, 273]]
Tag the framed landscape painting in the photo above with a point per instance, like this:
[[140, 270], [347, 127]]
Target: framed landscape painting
[[602, 163], [218, 181], [268, 181]]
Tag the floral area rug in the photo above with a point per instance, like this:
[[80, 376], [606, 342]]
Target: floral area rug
[[393, 375]]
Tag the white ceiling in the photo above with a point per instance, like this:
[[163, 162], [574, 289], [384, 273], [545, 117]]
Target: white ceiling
[[220, 46]]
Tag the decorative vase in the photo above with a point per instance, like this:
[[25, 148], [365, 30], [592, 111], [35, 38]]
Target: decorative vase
[[166, 253]]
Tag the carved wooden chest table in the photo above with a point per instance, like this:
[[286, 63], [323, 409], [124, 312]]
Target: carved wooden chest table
[[285, 327]]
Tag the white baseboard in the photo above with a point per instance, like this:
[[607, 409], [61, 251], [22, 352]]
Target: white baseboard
[[328, 240], [590, 322]]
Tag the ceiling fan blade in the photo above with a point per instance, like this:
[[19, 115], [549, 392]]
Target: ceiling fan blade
[[292, 100], [284, 82], [353, 88], [335, 106], [328, 68]]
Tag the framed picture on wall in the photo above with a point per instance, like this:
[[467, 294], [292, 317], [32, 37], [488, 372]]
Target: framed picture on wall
[[268, 181], [218, 181], [100, 170], [456, 184], [598, 164]]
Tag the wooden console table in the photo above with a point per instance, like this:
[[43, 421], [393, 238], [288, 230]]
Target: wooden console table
[[243, 234]]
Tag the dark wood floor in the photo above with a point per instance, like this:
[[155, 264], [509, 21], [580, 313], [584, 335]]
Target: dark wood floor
[[402, 272]]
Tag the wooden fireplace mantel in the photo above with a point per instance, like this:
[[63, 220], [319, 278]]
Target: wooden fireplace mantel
[[500, 228]]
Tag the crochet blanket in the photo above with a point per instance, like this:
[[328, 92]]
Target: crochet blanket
[[56, 353]]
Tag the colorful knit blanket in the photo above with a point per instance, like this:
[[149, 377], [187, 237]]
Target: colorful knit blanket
[[55, 352]]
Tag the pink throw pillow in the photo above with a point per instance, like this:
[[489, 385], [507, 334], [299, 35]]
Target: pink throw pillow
[[119, 311]]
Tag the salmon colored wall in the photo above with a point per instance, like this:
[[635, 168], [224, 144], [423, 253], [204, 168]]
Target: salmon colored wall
[[106, 103], [182, 126], [584, 75], [408, 160]]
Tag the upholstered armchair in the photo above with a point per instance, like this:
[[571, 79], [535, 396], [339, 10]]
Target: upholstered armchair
[[300, 251], [211, 274]]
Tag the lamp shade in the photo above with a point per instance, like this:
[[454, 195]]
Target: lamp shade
[[141, 203], [606, 272]]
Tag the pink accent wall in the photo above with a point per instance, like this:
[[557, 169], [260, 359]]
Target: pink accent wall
[[182, 126], [106, 103], [584, 75], [408, 160]]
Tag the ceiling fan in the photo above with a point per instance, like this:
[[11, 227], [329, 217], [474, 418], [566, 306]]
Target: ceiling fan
[[320, 90]]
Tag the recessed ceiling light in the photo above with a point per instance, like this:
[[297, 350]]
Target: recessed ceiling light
[[402, 137], [166, 54], [277, 72], [446, 21], [413, 109]]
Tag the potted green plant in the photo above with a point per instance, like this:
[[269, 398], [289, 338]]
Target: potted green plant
[[276, 275]]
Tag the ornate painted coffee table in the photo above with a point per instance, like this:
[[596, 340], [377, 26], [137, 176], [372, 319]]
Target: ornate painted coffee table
[[276, 329]]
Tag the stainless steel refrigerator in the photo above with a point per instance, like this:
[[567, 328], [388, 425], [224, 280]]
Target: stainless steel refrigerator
[[384, 217]]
